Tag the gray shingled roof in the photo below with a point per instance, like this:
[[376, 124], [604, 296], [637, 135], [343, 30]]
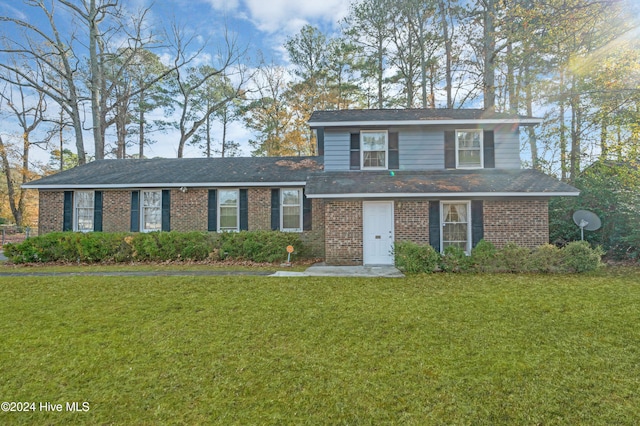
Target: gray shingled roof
[[412, 115], [182, 172], [482, 183]]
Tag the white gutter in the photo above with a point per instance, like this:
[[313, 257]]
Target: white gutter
[[422, 122], [446, 194], [164, 185]]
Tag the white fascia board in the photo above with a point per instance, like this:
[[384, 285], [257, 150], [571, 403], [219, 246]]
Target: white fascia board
[[166, 185], [447, 195], [523, 121]]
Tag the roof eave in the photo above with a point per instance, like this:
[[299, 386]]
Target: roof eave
[[361, 123], [164, 185], [445, 195]]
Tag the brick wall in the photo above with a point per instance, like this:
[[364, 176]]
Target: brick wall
[[412, 221], [116, 211], [524, 222], [189, 210], [343, 232], [50, 211], [259, 200], [314, 239]]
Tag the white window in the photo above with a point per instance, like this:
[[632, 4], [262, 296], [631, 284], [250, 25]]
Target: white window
[[374, 146], [291, 210], [228, 210], [151, 214], [469, 149], [83, 217], [456, 225]]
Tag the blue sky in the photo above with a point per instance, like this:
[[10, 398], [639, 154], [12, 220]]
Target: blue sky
[[261, 25]]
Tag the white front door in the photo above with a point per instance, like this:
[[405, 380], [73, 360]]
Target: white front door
[[377, 231]]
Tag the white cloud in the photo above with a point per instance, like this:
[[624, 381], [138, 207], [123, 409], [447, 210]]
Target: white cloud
[[284, 16]]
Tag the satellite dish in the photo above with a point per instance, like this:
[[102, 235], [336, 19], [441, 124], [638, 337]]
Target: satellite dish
[[586, 220]]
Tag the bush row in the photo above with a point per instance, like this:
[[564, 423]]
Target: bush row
[[93, 247], [485, 257]]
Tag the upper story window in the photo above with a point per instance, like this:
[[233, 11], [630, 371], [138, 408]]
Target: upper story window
[[151, 212], [84, 209], [291, 213], [228, 210], [469, 151], [374, 146]]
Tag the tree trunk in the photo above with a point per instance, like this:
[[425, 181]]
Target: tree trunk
[[448, 53], [96, 81], [489, 56], [11, 191]]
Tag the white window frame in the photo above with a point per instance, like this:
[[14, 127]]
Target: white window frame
[[143, 208], [481, 133], [219, 197], [300, 207], [467, 249], [386, 150], [76, 209]]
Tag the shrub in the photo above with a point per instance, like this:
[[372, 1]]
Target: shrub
[[547, 258], [513, 258], [165, 246], [413, 258], [580, 257], [260, 246], [484, 256], [454, 259]]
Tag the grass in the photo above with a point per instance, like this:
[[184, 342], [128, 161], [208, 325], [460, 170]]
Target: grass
[[437, 349]]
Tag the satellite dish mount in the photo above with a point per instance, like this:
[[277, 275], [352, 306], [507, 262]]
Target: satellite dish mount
[[586, 220]]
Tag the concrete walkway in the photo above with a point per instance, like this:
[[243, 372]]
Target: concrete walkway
[[322, 270]]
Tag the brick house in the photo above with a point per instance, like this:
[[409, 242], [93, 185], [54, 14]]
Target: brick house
[[440, 177]]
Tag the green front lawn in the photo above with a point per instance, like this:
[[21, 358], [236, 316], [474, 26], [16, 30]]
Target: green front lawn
[[437, 349]]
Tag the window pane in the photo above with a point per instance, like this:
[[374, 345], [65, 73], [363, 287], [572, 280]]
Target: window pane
[[291, 217], [469, 158], [228, 198], [374, 159], [151, 210], [374, 141], [455, 225], [85, 219], [152, 198], [84, 199], [290, 196], [151, 218], [468, 139], [84, 210], [228, 218]]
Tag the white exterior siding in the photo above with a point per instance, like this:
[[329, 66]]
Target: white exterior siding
[[507, 149], [336, 151], [421, 148]]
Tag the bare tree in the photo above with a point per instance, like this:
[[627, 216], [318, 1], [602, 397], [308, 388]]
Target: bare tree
[[28, 111], [190, 84]]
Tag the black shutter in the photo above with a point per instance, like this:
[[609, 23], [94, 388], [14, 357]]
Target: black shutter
[[97, 211], [434, 225], [355, 152], [320, 138], [449, 150], [212, 209], [166, 210], [135, 211], [67, 211], [244, 210], [489, 150], [394, 156], [307, 222], [275, 209], [477, 222]]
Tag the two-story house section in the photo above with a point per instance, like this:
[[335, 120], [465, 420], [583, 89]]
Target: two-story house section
[[439, 177], [434, 176]]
